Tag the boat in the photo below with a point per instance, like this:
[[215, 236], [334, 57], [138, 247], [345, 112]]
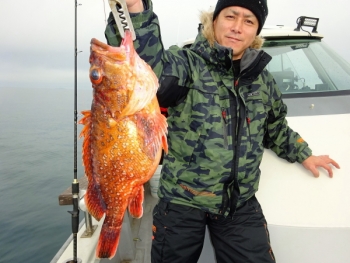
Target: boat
[[308, 218]]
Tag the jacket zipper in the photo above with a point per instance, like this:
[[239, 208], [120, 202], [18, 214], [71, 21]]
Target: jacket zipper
[[234, 188]]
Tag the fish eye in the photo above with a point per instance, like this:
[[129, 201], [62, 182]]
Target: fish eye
[[95, 76]]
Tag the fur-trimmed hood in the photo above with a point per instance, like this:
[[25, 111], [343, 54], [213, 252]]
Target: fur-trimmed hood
[[210, 50], [206, 18]]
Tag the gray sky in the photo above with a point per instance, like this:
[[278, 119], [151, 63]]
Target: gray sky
[[37, 36]]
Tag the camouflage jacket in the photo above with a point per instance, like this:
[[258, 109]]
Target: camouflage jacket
[[218, 127]]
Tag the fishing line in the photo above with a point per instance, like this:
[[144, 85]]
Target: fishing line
[[104, 9]]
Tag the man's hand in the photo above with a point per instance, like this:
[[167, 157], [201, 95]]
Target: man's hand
[[313, 162], [134, 6]]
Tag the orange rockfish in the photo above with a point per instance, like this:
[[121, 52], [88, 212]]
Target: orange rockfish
[[124, 134]]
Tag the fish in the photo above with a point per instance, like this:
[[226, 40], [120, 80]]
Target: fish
[[124, 135]]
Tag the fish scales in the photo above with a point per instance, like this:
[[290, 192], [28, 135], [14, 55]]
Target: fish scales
[[124, 133]]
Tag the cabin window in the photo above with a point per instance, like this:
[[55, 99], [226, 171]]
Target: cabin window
[[301, 66]]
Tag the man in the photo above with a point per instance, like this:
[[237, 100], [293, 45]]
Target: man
[[224, 108]]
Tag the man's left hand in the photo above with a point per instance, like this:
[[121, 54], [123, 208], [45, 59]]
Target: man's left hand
[[313, 162]]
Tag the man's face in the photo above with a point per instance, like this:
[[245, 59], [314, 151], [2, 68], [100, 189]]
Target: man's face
[[236, 27]]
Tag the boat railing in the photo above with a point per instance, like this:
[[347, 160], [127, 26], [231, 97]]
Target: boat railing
[[66, 198], [126, 249]]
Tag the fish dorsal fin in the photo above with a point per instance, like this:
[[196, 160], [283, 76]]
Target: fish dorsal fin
[[93, 199]]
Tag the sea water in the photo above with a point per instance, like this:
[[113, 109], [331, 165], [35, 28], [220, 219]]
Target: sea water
[[36, 166]]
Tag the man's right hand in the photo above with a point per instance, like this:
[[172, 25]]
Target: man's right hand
[[134, 6]]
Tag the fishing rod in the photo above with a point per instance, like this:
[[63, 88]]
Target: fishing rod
[[75, 184]]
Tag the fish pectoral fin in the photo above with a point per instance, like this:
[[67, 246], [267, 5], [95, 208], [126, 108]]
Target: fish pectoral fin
[[153, 130], [143, 87], [135, 205]]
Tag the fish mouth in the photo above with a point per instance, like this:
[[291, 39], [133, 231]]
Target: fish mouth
[[119, 53], [96, 44], [100, 48]]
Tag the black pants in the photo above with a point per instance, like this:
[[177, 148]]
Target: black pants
[[178, 234]]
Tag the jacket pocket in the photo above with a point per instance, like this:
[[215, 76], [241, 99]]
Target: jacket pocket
[[224, 127], [255, 120]]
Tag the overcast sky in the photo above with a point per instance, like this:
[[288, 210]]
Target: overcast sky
[[37, 36]]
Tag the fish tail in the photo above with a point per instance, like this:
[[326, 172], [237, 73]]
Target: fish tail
[[108, 241]]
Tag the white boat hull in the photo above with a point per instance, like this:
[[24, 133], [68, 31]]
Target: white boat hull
[[308, 218]]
